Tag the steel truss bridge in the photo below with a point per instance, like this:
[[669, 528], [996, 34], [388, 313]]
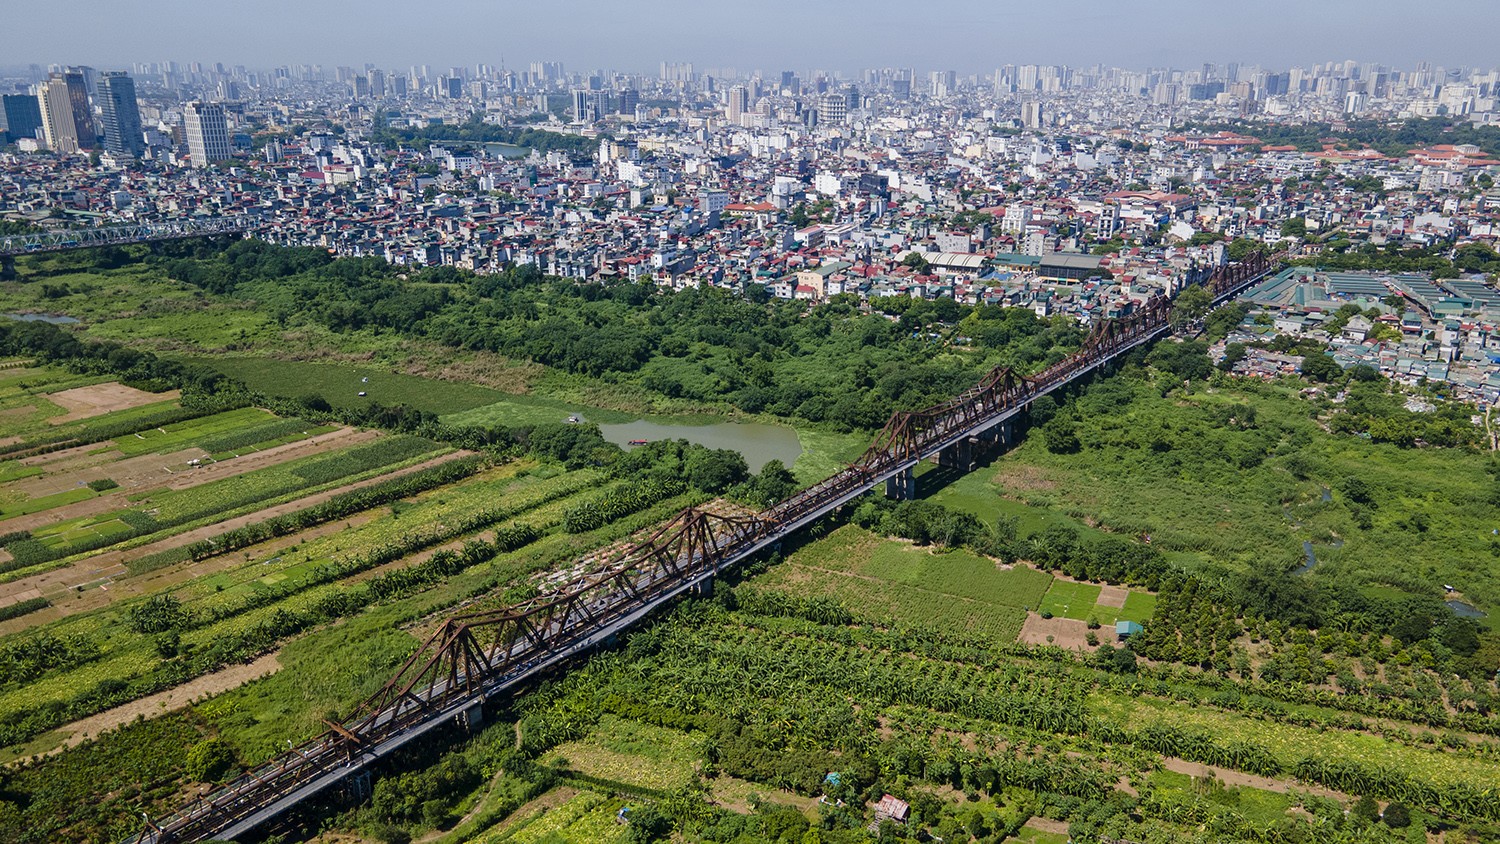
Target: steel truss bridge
[[475, 657], [64, 239]]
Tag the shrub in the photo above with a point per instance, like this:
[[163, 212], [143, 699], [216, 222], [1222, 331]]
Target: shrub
[[103, 485], [210, 760]]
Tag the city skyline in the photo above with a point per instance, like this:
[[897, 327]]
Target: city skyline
[[965, 35]]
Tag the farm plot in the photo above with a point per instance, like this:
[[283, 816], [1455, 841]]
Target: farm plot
[[881, 580], [585, 816], [156, 510], [97, 399], [1105, 604], [632, 753], [193, 432]]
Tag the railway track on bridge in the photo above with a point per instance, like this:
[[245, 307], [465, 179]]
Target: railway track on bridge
[[474, 657], [60, 240]]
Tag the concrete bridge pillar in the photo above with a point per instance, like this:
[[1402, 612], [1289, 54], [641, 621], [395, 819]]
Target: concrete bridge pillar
[[472, 719], [359, 787], [901, 486], [704, 589]]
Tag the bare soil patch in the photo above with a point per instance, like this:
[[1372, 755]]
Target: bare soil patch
[[1048, 825], [1065, 632], [130, 473], [1017, 478], [1112, 596], [83, 402]]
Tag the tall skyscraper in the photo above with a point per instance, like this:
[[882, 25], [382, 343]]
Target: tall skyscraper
[[122, 116], [207, 132], [66, 120], [739, 103], [20, 116]]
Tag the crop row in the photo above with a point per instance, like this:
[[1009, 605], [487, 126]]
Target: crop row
[[107, 427], [341, 505], [619, 501], [180, 507]]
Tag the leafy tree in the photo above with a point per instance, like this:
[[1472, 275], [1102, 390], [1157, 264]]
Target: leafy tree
[[1191, 304], [918, 263], [1320, 367], [1366, 809], [1396, 815], [647, 824], [1233, 354], [1356, 489], [210, 760], [1060, 435]]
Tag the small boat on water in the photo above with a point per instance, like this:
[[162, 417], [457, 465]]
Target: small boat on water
[[638, 442]]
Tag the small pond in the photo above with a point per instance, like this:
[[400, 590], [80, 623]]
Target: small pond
[[758, 443], [55, 319]]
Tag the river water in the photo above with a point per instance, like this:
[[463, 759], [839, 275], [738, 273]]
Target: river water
[[756, 442]]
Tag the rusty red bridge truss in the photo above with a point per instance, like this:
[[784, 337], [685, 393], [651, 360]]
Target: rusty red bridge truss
[[477, 656]]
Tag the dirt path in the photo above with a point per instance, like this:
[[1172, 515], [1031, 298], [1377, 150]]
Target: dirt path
[[163, 702], [107, 569], [1231, 777]]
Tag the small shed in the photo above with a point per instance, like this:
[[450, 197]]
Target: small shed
[[893, 809], [1126, 629]]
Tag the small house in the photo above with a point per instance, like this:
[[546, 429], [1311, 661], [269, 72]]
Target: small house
[[1126, 629], [892, 809]]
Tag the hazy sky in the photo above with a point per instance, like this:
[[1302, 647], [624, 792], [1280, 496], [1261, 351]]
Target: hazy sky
[[964, 35]]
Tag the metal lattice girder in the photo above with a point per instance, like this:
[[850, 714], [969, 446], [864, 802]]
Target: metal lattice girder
[[64, 239]]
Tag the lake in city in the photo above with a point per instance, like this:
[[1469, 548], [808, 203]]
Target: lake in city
[[507, 150]]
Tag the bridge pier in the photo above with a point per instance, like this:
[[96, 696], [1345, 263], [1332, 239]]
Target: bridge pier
[[901, 486], [7, 267], [472, 719], [358, 787], [965, 454], [704, 589]]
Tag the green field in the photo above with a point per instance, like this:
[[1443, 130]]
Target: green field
[[1078, 601], [1071, 600], [341, 384], [635, 754], [883, 580]]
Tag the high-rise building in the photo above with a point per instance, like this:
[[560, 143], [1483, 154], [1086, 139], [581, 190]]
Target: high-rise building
[[1031, 115], [738, 104], [629, 98], [207, 131], [590, 106], [20, 116], [833, 108], [121, 115], [66, 121]]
